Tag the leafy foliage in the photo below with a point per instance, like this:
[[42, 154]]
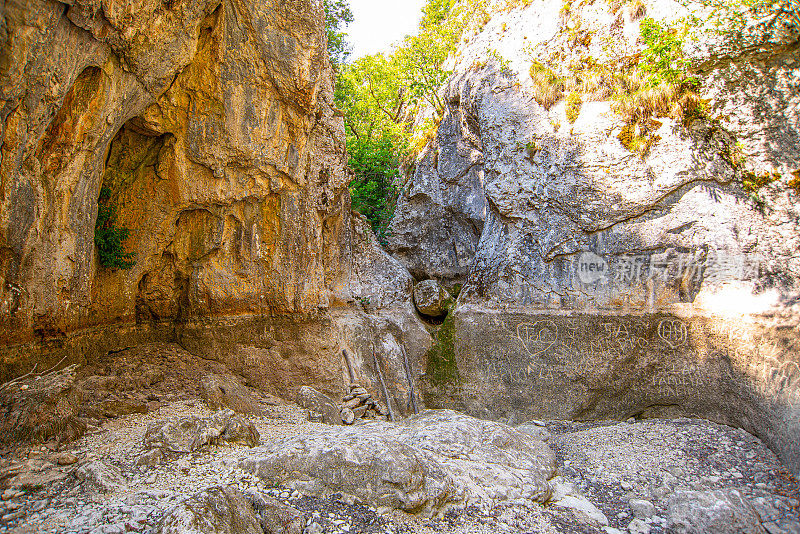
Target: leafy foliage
[[375, 189], [663, 56], [752, 182], [380, 96], [371, 94], [108, 237], [337, 16], [574, 104]]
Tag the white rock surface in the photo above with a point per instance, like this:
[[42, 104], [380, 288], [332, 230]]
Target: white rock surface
[[419, 465]]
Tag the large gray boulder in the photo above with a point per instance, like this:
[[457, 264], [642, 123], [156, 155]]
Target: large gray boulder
[[318, 402], [190, 434], [711, 512], [217, 510], [434, 459], [432, 299]]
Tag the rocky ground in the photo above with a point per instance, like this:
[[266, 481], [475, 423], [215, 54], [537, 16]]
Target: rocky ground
[[180, 468]]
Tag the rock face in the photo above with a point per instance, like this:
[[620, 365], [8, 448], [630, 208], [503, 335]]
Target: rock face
[[606, 283], [440, 217], [212, 128], [419, 465], [209, 127]]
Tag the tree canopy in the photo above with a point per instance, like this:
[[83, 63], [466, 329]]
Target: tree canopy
[[337, 16], [381, 95]]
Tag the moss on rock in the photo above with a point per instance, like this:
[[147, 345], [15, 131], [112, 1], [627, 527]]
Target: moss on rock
[[442, 369]]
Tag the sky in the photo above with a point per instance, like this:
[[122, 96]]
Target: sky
[[378, 24]]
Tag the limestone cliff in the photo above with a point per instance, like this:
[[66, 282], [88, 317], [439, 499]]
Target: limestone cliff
[[609, 270], [210, 126]]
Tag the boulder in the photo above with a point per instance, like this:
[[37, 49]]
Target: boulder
[[101, 476], [189, 434], [711, 512], [637, 526], [432, 299], [276, 517], [347, 416], [217, 510], [66, 458], [642, 509], [313, 400], [583, 510], [419, 465], [227, 391]]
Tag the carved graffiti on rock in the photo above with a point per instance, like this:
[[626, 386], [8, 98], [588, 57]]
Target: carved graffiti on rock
[[673, 332], [537, 337]]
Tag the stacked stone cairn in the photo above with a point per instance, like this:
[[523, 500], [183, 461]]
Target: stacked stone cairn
[[359, 404]]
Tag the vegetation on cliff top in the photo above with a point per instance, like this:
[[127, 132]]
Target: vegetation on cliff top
[[337, 16], [382, 95], [392, 103]]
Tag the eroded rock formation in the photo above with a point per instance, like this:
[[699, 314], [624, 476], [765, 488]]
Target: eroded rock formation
[[603, 283], [210, 129]]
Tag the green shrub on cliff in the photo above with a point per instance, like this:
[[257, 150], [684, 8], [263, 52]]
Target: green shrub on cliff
[[663, 58], [109, 237]]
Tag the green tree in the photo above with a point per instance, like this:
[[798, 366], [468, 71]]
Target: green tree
[[337, 16], [380, 96], [663, 58], [375, 189], [371, 93]]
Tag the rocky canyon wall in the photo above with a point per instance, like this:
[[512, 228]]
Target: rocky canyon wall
[[209, 128], [603, 279]]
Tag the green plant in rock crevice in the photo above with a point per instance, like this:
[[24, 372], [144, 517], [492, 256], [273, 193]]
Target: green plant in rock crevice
[[574, 104], [548, 87], [752, 181], [794, 182], [505, 65], [109, 237]]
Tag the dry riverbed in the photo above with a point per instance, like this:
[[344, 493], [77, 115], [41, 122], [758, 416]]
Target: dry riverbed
[[647, 476]]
